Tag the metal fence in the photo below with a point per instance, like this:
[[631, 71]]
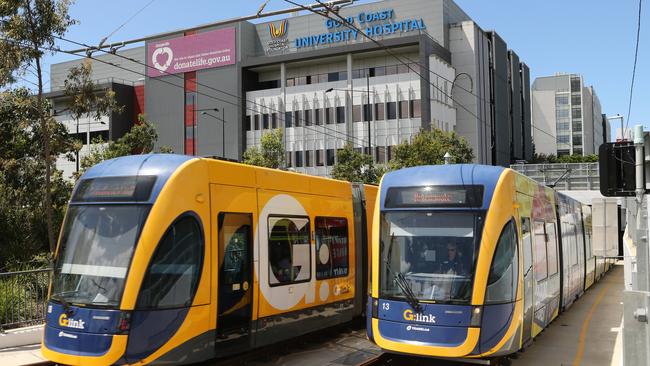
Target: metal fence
[[567, 177], [23, 297]]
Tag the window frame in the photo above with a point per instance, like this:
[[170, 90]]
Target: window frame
[[309, 243], [512, 222], [316, 248], [183, 215]]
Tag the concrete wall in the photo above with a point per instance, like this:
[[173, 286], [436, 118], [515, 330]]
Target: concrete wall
[[543, 121], [104, 70], [501, 107]]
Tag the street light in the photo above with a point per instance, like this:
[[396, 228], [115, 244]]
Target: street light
[[223, 126], [618, 116], [369, 114]]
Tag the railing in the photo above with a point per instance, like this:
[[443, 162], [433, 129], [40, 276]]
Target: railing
[[23, 297], [565, 176]]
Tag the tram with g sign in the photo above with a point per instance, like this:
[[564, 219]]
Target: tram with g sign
[[168, 259], [472, 262]]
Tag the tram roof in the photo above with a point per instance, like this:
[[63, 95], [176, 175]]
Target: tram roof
[[160, 165], [452, 174]]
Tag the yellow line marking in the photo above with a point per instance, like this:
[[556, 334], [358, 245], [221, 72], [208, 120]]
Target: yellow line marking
[[585, 326]]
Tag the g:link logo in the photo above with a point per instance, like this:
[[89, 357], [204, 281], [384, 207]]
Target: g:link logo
[[70, 323], [417, 317]]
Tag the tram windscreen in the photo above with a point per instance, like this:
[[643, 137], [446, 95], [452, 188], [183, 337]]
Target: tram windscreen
[[96, 249], [433, 251]]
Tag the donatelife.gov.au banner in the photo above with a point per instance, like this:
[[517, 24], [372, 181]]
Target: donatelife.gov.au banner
[[189, 53]]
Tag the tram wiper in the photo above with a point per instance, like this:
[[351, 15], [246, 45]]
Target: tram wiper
[[401, 281], [66, 305]]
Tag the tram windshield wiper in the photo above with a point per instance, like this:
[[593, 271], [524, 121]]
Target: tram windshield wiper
[[66, 305], [400, 280]]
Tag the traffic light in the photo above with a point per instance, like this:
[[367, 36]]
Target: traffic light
[[617, 169]]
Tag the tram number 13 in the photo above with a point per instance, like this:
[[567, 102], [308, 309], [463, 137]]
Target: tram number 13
[[385, 306]]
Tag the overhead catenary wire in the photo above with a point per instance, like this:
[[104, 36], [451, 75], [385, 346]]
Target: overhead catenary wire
[[101, 43], [262, 107], [636, 56], [387, 49]]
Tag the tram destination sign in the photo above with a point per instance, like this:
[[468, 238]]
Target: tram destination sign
[[435, 196], [114, 189]]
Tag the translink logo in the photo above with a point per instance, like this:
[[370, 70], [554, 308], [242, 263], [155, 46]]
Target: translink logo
[[417, 317], [70, 323]]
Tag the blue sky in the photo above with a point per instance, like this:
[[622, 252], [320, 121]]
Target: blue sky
[[594, 38]]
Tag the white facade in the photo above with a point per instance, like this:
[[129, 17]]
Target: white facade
[[569, 112], [320, 120], [85, 130]]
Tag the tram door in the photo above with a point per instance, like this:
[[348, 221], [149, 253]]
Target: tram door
[[527, 241], [233, 210]]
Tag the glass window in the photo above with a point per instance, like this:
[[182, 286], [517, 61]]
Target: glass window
[[379, 111], [402, 69], [527, 241], [367, 112], [288, 119], [289, 250], [562, 99], [502, 281], [541, 272], [340, 114], [302, 80], [356, 113], [289, 156], [576, 99], [391, 70], [330, 157], [378, 71], [416, 111], [576, 112], [297, 118], [577, 140], [291, 82], [331, 247], [575, 84], [318, 119], [96, 249], [343, 75], [175, 268], [329, 115], [257, 122], [320, 157], [403, 109], [265, 121], [562, 113], [333, 76], [433, 251], [323, 78], [391, 110], [298, 155], [308, 117], [551, 249], [274, 120], [389, 153], [309, 158], [248, 122], [380, 154]]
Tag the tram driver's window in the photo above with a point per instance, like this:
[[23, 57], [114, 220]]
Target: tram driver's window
[[541, 270], [332, 250], [289, 250], [174, 271]]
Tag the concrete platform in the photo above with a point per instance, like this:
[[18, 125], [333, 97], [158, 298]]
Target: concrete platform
[[20, 356], [589, 333]]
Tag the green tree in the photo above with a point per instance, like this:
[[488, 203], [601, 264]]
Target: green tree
[[354, 166], [86, 99], [27, 29], [140, 139], [23, 226], [429, 148], [271, 152]]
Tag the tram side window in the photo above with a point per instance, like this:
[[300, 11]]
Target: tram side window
[[332, 249], [174, 271], [551, 249], [502, 281], [541, 271], [289, 250], [527, 243]]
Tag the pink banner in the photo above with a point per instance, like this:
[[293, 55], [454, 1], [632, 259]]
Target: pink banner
[[198, 51]]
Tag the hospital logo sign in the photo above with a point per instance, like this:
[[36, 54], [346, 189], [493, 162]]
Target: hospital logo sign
[[278, 32]]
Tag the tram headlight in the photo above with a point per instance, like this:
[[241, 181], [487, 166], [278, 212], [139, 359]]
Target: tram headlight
[[477, 314]]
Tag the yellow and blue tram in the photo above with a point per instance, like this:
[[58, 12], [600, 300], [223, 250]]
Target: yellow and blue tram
[[472, 261], [174, 259]]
